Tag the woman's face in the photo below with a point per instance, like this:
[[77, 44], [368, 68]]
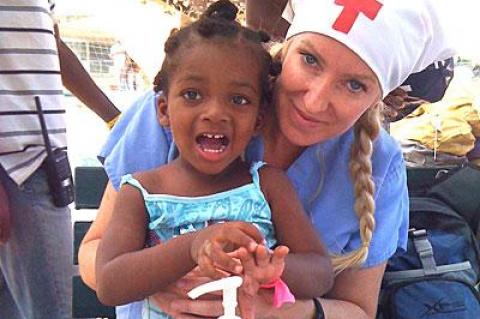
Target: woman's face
[[323, 89]]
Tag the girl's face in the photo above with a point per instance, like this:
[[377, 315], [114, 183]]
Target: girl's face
[[213, 104], [323, 89]]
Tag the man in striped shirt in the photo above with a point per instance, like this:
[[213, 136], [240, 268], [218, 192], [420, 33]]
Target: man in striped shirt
[[35, 236]]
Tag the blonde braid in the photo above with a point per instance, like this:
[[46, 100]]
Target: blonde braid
[[366, 130]]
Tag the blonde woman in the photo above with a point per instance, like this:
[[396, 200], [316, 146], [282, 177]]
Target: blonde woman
[[339, 61]]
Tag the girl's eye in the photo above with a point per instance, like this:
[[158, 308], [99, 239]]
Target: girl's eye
[[309, 59], [192, 95], [356, 86], [240, 100]]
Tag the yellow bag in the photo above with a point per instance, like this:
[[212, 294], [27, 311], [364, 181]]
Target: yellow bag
[[449, 126]]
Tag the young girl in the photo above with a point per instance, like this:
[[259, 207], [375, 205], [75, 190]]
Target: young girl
[[215, 84]]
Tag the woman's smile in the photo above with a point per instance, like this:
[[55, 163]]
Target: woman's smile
[[303, 119]]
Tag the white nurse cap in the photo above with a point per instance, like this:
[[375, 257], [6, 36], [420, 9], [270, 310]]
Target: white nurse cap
[[394, 37]]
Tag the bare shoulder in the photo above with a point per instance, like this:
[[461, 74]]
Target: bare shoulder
[[155, 180], [268, 172], [273, 180]]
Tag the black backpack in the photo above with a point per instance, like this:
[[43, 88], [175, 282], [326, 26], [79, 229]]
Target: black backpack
[[437, 277]]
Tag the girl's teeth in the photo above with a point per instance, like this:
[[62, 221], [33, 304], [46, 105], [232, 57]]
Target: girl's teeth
[[214, 151], [213, 135]]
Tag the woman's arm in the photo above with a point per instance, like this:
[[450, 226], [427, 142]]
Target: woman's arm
[[89, 245], [308, 270], [354, 296]]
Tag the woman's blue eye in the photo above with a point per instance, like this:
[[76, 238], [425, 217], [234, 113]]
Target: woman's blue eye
[[309, 59], [355, 86], [191, 95], [240, 100]]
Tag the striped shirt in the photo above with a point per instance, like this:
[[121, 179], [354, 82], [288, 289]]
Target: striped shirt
[[29, 67]]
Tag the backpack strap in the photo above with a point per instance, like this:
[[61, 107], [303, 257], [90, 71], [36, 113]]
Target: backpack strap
[[418, 273], [130, 180], [425, 251]]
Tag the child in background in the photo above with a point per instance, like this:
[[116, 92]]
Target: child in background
[[208, 207]]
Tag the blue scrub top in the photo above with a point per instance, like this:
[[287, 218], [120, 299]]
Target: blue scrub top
[[320, 176]]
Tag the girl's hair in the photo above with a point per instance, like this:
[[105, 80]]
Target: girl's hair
[[366, 130], [217, 25]]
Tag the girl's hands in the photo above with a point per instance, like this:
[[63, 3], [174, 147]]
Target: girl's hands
[[238, 248], [260, 267], [212, 244]]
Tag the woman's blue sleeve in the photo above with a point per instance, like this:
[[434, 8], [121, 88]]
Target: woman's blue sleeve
[[137, 141]]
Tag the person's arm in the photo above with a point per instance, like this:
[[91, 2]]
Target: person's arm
[[354, 296], [266, 15], [77, 80], [308, 270], [4, 216], [89, 244]]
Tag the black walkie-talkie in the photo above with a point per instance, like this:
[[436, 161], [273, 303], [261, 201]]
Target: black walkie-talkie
[[59, 174]]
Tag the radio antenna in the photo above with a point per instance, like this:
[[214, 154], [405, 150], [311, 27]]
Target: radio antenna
[[46, 138]]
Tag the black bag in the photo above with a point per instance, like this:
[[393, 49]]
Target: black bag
[[437, 276], [460, 190]]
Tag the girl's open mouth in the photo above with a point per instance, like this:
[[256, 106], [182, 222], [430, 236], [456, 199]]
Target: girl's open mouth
[[212, 142]]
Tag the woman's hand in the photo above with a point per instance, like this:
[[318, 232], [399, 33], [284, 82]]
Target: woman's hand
[[175, 302], [211, 245]]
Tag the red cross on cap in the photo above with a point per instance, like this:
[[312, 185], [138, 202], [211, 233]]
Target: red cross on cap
[[351, 10]]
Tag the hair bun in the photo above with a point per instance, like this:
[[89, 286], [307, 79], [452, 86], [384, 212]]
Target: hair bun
[[264, 36], [222, 9]]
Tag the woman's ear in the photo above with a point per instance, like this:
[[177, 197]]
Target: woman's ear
[[162, 111]]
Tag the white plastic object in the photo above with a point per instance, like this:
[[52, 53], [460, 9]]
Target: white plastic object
[[229, 287], [437, 126]]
